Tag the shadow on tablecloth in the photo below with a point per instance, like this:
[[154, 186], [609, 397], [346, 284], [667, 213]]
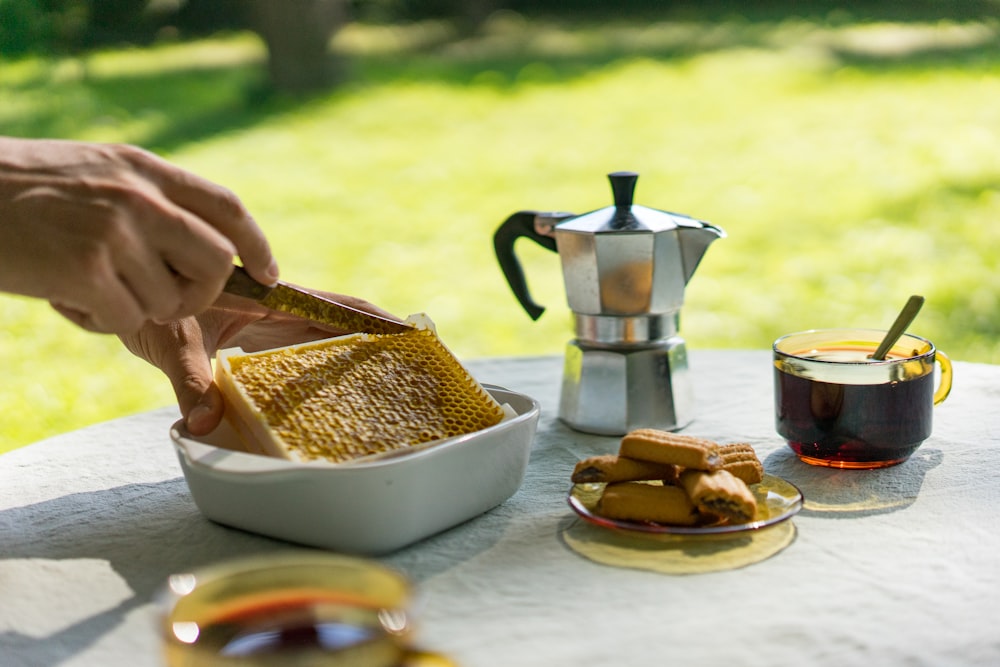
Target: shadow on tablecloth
[[117, 536], [839, 494]]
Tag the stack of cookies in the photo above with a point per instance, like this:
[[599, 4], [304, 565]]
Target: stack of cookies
[[680, 480]]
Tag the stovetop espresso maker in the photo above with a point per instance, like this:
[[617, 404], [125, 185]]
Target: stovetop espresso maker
[[625, 268]]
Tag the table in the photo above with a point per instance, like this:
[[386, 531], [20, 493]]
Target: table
[[893, 567]]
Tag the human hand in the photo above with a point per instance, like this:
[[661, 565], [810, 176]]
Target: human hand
[[114, 236], [183, 349]]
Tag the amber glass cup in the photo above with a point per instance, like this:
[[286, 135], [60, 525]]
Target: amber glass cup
[[293, 609], [838, 407]]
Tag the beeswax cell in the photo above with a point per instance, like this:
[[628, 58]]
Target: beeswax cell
[[357, 395]]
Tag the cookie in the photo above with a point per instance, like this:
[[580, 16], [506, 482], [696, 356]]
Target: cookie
[[740, 459], [720, 493], [610, 468], [657, 446], [638, 501]]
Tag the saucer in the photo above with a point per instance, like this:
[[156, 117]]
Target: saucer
[[777, 500]]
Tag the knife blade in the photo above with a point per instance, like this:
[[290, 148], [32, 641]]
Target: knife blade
[[296, 301]]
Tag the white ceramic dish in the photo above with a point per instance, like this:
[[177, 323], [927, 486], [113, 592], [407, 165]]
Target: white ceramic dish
[[367, 508]]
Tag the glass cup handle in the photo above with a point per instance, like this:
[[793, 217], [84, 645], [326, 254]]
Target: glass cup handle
[[944, 385]]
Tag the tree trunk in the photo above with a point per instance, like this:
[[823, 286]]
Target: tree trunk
[[297, 34]]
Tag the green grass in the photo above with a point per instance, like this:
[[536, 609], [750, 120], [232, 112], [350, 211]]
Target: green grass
[[851, 163]]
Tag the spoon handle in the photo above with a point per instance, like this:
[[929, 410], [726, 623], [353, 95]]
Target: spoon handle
[[903, 320]]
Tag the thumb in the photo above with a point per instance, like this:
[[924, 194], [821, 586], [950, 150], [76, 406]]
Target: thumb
[[206, 413], [188, 367]]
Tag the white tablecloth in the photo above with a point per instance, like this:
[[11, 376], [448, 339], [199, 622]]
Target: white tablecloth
[[893, 567]]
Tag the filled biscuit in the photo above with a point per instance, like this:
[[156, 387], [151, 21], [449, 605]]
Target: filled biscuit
[[638, 501], [685, 451], [609, 469], [674, 479], [740, 459], [720, 493]]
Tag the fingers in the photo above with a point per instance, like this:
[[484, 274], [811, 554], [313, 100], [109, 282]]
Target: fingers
[[100, 302], [194, 262], [122, 263], [175, 262], [80, 318], [113, 236], [116, 236], [186, 364], [217, 207], [181, 350]]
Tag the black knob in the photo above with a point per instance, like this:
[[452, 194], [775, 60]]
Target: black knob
[[623, 187]]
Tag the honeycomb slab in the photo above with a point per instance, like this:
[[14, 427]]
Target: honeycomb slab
[[350, 397]]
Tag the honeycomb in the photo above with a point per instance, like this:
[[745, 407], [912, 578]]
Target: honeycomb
[[353, 396]]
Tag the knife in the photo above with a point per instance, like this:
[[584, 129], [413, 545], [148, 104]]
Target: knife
[[296, 301]]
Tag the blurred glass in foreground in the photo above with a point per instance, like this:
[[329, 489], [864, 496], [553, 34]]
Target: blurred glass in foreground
[[292, 609]]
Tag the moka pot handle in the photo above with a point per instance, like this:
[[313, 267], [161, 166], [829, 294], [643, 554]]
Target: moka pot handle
[[535, 226]]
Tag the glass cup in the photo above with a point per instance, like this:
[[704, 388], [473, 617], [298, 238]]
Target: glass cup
[[838, 407], [292, 609]]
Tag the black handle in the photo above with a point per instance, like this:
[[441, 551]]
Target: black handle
[[241, 284], [520, 224]]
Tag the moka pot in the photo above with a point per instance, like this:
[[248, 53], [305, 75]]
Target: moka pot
[[625, 268]]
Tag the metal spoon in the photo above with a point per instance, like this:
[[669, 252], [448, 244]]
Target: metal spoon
[[903, 320]]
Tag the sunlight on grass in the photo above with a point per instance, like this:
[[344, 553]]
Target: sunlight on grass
[[133, 95], [844, 184]]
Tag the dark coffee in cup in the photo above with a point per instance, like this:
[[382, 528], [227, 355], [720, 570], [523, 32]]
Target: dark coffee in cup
[[837, 407]]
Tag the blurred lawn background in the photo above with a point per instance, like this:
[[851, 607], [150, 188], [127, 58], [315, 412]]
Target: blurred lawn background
[[852, 162]]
